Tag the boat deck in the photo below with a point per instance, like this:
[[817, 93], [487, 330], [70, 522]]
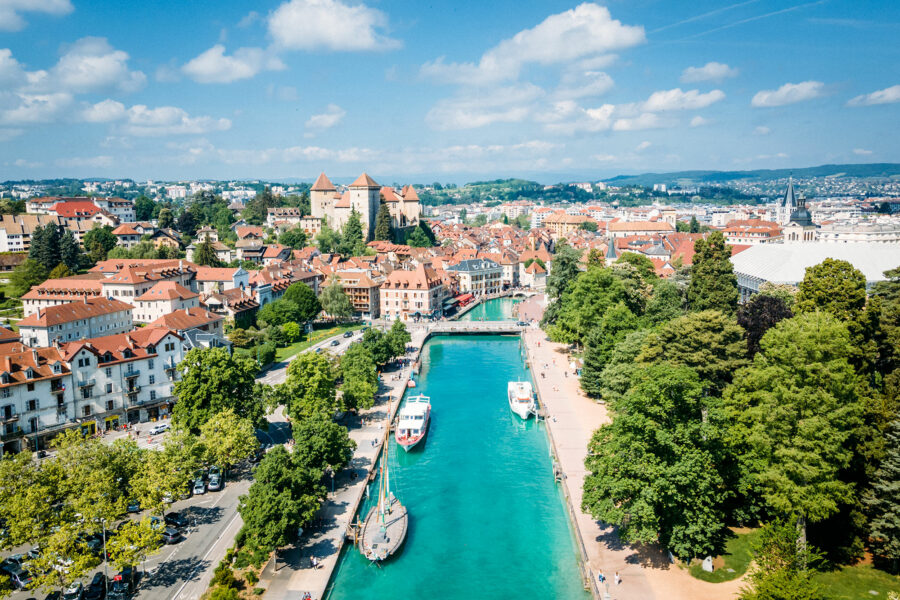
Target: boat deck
[[384, 542]]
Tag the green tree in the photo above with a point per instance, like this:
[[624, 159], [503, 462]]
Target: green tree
[[562, 274], [292, 332], [64, 558], [99, 241], [45, 243], [227, 439], [133, 543], [759, 315], [694, 227], [70, 253], [295, 238], [278, 312], [615, 379], [328, 240], [418, 239], [397, 338], [309, 388], [883, 502], [205, 254], [165, 220], [713, 283], [143, 208], [305, 299], [463, 215], [780, 566], [584, 304], [588, 226], [360, 378], [794, 412], [666, 302], [26, 275], [616, 323], [480, 220], [334, 301], [709, 342], [352, 235], [212, 381], [653, 471], [834, 286], [166, 473], [257, 210], [786, 292], [240, 338], [383, 223], [321, 444], [377, 345]]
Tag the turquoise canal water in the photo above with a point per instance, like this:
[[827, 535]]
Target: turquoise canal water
[[487, 519], [498, 309]]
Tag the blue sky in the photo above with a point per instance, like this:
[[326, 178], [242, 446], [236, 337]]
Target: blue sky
[[449, 91]]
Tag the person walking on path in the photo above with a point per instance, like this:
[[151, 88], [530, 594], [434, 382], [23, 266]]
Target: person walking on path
[[618, 579]]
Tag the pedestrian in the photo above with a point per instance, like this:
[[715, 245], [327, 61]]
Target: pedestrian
[[618, 579], [601, 578]]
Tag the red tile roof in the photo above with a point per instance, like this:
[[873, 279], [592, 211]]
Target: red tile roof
[[122, 346], [73, 311], [75, 209], [167, 290], [184, 319], [323, 184], [16, 359], [364, 181]]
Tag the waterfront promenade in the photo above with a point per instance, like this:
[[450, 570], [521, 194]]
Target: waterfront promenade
[[295, 574], [572, 418]]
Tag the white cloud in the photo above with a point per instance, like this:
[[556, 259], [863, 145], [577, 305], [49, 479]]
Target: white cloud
[[885, 96], [169, 120], [643, 146], [213, 66], [89, 65], [789, 93], [582, 32], [329, 25], [248, 20], [11, 72], [36, 108], [678, 100], [11, 19], [473, 109], [861, 152], [762, 130], [8, 133], [643, 121], [605, 157], [699, 121], [331, 117], [102, 161], [27, 164], [711, 71], [103, 112], [581, 84]]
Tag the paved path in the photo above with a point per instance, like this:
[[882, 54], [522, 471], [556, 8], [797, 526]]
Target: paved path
[[295, 574], [572, 418]]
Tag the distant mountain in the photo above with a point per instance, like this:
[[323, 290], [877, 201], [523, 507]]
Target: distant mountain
[[852, 170]]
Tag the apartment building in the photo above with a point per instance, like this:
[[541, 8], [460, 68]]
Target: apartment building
[[163, 298], [84, 318], [217, 279], [412, 295], [123, 377], [479, 276], [362, 287], [34, 398]]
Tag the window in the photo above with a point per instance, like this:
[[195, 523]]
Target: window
[[110, 405], [108, 371], [30, 387], [169, 346], [150, 363], [152, 395], [109, 388], [152, 379], [32, 404], [86, 411], [6, 393], [86, 392]]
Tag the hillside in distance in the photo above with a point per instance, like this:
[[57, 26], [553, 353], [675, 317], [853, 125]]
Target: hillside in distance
[[878, 170]]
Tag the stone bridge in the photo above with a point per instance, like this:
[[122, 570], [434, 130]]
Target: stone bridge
[[486, 327]]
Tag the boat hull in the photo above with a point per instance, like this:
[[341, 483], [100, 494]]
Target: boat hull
[[408, 443], [378, 542], [522, 411]]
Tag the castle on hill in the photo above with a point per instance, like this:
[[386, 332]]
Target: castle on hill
[[365, 196]]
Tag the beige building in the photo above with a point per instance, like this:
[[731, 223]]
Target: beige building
[[562, 224], [163, 298], [479, 276], [411, 295], [363, 289]]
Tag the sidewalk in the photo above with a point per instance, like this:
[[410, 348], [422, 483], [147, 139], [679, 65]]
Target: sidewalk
[[572, 418], [295, 574]]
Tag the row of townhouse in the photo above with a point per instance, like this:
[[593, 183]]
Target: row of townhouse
[[94, 384]]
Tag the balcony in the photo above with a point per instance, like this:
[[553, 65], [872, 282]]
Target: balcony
[[8, 415], [57, 388], [86, 383], [132, 373], [133, 391], [13, 434]]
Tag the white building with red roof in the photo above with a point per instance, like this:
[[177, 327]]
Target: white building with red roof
[[412, 295], [163, 298], [87, 317]]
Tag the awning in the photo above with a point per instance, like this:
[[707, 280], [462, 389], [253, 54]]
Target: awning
[[465, 298], [450, 302]]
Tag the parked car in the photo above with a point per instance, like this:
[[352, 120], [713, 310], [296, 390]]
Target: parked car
[[348, 334], [74, 592], [199, 487], [134, 506], [257, 455], [96, 589], [171, 535], [158, 429], [215, 483], [174, 519], [18, 577], [12, 562], [156, 523], [52, 596], [335, 342], [122, 585]]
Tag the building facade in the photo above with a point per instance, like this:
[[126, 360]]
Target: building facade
[[479, 276], [412, 295], [84, 318]]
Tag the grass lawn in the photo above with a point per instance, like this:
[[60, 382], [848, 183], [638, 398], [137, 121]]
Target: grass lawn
[[857, 582], [736, 558], [314, 338]]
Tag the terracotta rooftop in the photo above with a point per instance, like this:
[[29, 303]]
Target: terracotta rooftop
[[322, 184], [17, 361], [364, 181], [184, 319], [122, 346], [167, 290], [73, 311], [215, 273]]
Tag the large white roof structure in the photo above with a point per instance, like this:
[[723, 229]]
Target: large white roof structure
[[787, 263]]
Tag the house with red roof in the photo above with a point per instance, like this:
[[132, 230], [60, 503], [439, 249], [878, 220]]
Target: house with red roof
[[163, 298], [86, 317]]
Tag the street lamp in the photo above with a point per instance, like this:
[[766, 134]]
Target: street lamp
[[105, 553]]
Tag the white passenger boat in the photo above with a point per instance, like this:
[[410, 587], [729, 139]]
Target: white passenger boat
[[412, 424], [521, 398]]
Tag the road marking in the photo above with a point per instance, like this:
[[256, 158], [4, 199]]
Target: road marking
[[205, 556]]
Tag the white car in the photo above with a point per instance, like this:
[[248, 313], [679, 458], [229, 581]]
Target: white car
[[158, 429]]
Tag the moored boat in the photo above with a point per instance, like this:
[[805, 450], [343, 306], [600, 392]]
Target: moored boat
[[413, 420], [386, 525], [521, 398]]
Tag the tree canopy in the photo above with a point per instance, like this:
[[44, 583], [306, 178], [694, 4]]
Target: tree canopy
[[713, 282], [334, 300], [305, 299]]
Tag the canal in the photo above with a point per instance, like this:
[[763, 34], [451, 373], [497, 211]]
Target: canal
[[487, 519], [498, 309]]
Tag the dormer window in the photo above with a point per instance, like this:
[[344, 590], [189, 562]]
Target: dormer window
[[4, 377], [57, 368], [29, 373]]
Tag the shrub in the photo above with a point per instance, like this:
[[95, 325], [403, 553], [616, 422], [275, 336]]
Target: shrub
[[224, 593], [224, 576], [251, 577]]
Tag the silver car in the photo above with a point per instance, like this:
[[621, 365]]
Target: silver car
[[199, 487]]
